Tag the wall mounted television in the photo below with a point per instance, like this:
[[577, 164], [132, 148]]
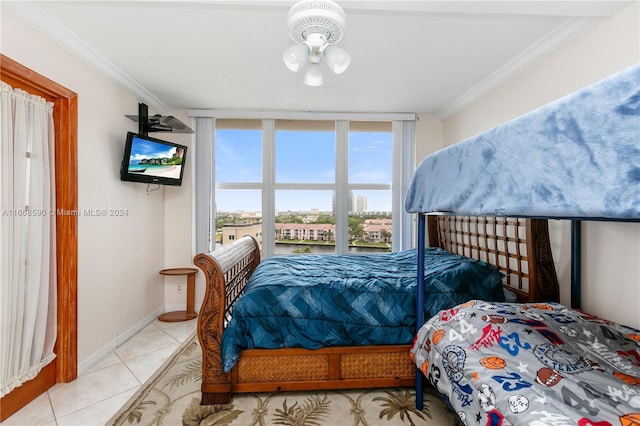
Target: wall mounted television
[[151, 160]]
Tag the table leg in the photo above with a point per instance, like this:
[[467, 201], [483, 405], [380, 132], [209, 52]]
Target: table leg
[[191, 289]]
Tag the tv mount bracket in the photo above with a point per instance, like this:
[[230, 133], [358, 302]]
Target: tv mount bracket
[[157, 123]]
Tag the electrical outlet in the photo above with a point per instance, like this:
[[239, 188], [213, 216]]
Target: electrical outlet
[[180, 289]]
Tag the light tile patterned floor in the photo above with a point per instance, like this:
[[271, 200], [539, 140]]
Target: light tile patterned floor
[[95, 396]]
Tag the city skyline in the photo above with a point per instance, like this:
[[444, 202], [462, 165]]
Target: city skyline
[[308, 195]]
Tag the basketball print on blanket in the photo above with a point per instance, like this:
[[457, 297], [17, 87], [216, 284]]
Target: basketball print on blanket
[[531, 363]]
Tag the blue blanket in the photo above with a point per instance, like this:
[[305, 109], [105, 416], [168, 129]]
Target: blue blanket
[[577, 157], [313, 301]]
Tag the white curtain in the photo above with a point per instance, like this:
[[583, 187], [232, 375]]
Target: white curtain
[[27, 235]]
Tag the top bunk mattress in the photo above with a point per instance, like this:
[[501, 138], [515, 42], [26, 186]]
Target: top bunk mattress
[[578, 157]]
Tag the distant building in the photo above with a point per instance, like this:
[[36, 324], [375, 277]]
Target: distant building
[[377, 232], [361, 204], [230, 233], [250, 217], [305, 231]]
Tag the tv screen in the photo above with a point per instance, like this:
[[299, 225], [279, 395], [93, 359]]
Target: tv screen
[[151, 160]]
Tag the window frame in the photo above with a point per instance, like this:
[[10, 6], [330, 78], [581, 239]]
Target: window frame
[[403, 146]]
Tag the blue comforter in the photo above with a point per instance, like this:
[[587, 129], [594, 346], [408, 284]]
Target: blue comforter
[[313, 301], [577, 157]]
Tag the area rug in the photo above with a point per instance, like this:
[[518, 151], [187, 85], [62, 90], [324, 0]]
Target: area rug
[[172, 397]]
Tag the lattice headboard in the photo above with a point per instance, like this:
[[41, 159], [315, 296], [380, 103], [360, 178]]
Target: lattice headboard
[[518, 247]]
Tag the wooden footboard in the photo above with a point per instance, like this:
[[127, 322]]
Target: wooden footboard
[[227, 271]]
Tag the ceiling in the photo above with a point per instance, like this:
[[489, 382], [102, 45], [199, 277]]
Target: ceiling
[[407, 56]]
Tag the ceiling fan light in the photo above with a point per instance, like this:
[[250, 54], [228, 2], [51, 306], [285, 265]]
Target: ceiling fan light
[[317, 25], [338, 59], [294, 57], [313, 77]]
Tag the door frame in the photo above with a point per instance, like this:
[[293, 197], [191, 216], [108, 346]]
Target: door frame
[[65, 116]]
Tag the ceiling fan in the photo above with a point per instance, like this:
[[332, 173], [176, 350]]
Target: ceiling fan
[[316, 26]]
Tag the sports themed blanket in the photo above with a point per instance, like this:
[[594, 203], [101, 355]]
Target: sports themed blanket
[[531, 364]]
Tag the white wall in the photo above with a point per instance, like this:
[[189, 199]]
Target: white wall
[[118, 257], [429, 135], [178, 223], [611, 251]]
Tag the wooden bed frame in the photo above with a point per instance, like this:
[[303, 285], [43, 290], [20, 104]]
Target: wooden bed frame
[[518, 247]]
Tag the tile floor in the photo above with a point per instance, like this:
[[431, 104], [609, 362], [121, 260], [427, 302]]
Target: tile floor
[[95, 396]]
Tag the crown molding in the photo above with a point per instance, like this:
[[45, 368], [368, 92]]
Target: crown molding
[[55, 31], [566, 32]]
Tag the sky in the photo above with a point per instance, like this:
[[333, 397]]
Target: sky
[[142, 149], [300, 157]]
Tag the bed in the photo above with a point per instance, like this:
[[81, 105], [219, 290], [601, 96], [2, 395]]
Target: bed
[[352, 356], [536, 363]]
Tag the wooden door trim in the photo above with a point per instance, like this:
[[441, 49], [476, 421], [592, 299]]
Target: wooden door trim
[[65, 116]]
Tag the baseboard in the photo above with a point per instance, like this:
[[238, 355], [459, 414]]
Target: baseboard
[[120, 338]]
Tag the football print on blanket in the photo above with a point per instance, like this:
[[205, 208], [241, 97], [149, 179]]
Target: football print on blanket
[[532, 364]]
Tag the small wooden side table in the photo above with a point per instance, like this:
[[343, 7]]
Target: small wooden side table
[[190, 313]]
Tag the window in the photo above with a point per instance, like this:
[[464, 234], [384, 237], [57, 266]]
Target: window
[[239, 154], [309, 185], [305, 152]]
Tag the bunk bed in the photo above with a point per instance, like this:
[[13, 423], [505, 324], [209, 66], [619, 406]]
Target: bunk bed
[[245, 352], [536, 363]]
